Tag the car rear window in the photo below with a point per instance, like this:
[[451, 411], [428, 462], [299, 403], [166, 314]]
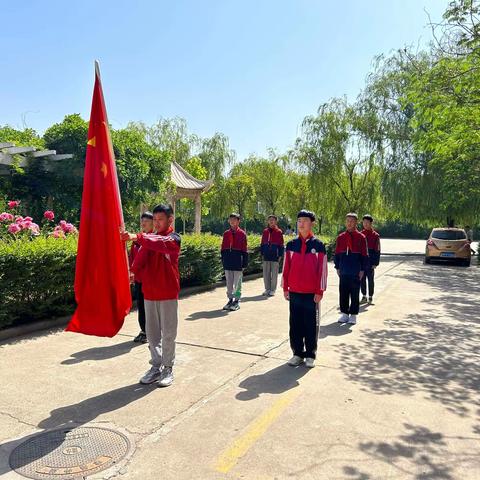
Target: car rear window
[[449, 235]]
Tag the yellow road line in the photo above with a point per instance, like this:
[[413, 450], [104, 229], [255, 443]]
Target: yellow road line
[[229, 458]]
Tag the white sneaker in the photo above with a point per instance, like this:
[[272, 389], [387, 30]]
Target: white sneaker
[[151, 376], [310, 362], [166, 378], [343, 318], [352, 320], [295, 361]]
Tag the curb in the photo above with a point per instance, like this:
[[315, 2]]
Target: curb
[[60, 322]]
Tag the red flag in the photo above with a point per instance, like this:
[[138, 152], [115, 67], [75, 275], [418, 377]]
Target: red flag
[[102, 288]]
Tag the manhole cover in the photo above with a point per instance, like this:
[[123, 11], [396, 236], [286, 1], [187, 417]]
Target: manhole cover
[[69, 453]]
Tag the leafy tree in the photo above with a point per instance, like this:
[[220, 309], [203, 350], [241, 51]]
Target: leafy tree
[[21, 138], [269, 183], [340, 149]]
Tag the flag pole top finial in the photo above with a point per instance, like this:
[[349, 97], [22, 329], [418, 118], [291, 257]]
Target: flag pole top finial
[[97, 69]]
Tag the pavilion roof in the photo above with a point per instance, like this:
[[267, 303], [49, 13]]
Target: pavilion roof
[[183, 180]]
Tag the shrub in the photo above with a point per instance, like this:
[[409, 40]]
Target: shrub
[[36, 279], [37, 274]]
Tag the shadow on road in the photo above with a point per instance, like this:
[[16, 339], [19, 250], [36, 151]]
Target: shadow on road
[[334, 329], [101, 353], [418, 453], [71, 416], [256, 298], [276, 381], [206, 314], [433, 351]]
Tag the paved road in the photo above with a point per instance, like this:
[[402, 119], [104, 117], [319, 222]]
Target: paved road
[[395, 397]]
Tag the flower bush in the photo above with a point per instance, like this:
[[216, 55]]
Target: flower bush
[[13, 227]]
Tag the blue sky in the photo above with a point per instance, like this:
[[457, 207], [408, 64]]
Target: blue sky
[[249, 69]]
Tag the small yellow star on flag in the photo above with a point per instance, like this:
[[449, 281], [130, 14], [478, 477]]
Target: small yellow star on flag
[[104, 169], [91, 142]]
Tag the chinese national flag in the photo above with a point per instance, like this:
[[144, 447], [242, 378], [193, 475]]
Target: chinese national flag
[[102, 288]]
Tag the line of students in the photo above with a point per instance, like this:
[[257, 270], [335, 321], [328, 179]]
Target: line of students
[[154, 259]]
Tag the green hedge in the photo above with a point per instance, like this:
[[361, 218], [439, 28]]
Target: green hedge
[[36, 276], [36, 279]]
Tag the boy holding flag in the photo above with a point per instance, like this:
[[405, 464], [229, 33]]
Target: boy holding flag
[[156, 267]]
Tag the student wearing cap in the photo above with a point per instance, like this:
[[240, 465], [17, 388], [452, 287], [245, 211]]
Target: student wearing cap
[[373, 245], [146, 226], [304, 281], [351, 260], [235, 260], [272, 252]]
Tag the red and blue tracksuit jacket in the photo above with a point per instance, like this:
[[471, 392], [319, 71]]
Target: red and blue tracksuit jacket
[[272, 246], [373, 245], [305, 267], [234, 250], [156, 265], [351, 255]]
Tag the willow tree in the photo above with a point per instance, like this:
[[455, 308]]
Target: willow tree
[[429, 105], [340, 149]]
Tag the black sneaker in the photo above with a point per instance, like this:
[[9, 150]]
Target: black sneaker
[[235, 306], [228, 305], [140, 338], [370, 300]]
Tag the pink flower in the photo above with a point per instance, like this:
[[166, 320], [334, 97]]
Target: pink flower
[[19, 219], [49, 215], [28, 219], [35, 229], [26, 224], [14, 228], [13, 203], [6, 217], [58, 234]]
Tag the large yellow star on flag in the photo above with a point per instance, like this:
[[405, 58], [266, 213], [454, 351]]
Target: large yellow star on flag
[[91, 142]]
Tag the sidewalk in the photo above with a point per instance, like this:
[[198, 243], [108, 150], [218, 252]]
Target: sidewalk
[[393, 397]]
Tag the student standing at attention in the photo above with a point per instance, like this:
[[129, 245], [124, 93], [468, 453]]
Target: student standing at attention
[[304, 281], [272, 252], [351, 260], [373, 245], [235, 260]]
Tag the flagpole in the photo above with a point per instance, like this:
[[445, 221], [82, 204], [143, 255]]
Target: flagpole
[[122, 223]]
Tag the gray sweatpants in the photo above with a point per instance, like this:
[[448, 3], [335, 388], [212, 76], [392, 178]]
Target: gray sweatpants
[[161, 326], [270, 275], [234, 283]]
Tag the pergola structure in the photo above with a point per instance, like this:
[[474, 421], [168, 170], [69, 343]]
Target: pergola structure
[[10, 154], [187, 186]]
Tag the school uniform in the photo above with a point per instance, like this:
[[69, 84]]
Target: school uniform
[[156, 268], [351, 258], [304, 275], [271, 248], [234, 259], [373, 245]]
